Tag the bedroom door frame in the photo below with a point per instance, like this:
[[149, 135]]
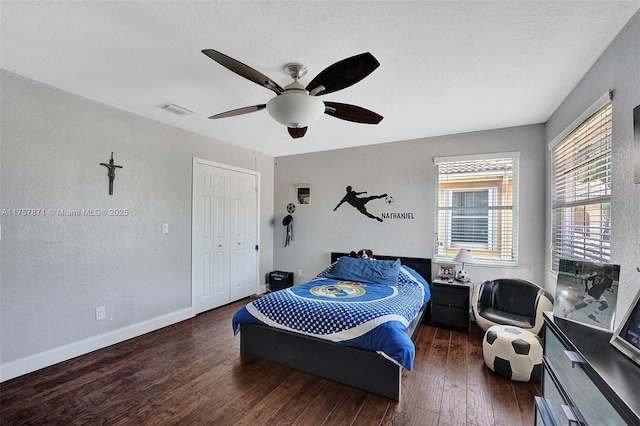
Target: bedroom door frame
[[194, 201]]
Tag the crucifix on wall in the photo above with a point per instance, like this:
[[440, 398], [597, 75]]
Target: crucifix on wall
[[112, 172]]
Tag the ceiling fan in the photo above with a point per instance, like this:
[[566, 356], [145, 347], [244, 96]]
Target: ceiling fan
[[297, 106]]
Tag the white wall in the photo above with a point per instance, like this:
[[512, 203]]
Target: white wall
[[404, 170], [55, 270], [619, 69]]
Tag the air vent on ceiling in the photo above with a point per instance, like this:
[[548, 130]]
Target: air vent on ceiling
[[176, 109]]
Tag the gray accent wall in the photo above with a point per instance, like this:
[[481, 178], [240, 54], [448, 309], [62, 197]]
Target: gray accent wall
[[405, 171], [618, 69], [60, 263]]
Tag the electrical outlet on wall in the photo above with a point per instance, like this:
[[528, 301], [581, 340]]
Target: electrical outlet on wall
[[101, 313]]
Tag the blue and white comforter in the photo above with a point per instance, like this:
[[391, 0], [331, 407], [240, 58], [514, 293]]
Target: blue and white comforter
[[366, 315]]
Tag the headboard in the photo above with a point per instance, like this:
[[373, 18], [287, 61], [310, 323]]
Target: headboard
[[419, 264]]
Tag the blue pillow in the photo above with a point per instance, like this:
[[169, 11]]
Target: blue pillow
[[373, 271]]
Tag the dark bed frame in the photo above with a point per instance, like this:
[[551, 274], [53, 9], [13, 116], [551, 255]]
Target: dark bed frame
[[354, 367]]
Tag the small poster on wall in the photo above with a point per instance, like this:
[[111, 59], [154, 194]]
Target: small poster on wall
[[587, 292], [303, 193]]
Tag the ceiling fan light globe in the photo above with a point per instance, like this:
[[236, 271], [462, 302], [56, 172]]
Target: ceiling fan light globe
[[295, 108]]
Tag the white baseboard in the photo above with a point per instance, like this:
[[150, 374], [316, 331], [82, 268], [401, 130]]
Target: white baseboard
[[50, 357]]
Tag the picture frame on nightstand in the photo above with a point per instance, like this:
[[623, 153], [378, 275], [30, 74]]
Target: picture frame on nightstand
[[447, 271]]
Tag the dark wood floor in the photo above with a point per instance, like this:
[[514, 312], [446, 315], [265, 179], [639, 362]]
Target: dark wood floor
[[192, 373]]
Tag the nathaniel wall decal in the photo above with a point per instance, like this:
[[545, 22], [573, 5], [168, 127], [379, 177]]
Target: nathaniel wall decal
[[359, 202]]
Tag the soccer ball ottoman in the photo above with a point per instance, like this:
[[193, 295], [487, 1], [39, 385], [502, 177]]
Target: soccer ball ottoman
[[513, 353]]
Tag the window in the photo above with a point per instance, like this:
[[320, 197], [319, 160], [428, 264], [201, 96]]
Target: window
[[476, 207], [581, 190], [470, 217]]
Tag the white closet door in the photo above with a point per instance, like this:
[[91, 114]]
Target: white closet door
[[210, 272], [224, 235], [244, 256]]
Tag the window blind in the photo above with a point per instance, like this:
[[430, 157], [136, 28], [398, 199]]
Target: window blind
[[581, 191], [476, 207]]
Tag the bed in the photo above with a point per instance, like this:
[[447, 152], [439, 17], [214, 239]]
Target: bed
[[337, 360]]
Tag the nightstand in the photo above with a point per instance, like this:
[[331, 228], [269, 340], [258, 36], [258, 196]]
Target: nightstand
[[450, 304]]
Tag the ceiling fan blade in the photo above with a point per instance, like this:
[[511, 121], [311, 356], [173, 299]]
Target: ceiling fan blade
[[352, 113], [344, 73], [244, 70], [297, 132], [239, 111]]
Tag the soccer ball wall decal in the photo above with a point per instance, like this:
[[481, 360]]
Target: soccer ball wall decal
[[513, 353]]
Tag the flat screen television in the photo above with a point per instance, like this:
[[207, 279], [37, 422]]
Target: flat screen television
[[626, 338]]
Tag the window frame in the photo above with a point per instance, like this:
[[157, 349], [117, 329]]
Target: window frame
[[603, 201], [494, 252]]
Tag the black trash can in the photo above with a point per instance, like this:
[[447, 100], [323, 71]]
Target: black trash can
[[279, 280]]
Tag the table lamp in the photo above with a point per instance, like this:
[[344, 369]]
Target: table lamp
[[463, 256]]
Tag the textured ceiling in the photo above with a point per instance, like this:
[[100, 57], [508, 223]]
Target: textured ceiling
[[446, 67]]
